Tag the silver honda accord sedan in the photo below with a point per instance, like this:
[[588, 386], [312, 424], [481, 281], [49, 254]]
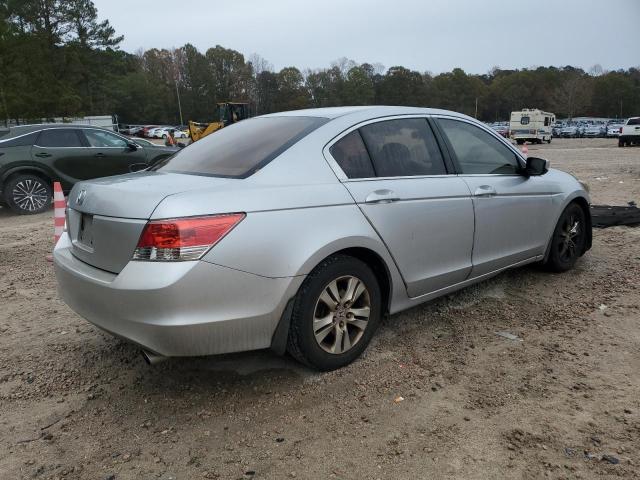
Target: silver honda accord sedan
[[299, 230]]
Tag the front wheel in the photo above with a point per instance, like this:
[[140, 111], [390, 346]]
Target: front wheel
[[28, 194], [568, 240], [335, 313]]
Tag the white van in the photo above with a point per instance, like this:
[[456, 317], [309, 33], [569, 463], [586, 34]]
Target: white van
[[531, 125]]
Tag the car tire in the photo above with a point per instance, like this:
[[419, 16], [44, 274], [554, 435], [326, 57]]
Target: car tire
[[520, 142], [324, 336], [28, 194], [549, 141], [164, 135], [568, 240], [620, 143]]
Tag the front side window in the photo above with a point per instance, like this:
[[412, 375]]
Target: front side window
[[97, 138], [241, 149], [403, 147], [59, 137], [477, 151], [634, 121], [352, 156]]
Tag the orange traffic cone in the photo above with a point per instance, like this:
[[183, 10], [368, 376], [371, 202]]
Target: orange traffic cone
[[59, 206]]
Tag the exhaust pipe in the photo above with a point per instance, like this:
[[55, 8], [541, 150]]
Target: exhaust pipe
[[152, 358]]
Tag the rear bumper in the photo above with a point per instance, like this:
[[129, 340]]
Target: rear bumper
[[176, 309]]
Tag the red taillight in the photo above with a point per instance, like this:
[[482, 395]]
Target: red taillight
[[183, 238]]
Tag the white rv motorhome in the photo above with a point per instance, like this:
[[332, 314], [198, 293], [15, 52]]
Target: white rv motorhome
[[531, 125]]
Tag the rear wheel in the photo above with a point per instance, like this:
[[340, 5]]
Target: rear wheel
[[28, 194], [520, 142], [569, 238], [620, 143], [335, 313]]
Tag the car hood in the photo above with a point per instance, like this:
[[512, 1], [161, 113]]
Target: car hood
[[134, 195]]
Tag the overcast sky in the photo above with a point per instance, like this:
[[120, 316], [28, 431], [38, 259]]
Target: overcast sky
[[428, 35]]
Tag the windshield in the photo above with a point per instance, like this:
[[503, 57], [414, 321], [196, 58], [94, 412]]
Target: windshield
[[241, 149]]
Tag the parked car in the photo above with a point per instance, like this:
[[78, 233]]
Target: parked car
[[630, 132], [155, 132], [301, 240], [164, 133], [503, 130], [613, 130], [556, 129], [132, 130], [32, 157], [570, 131], [144, 132], [593, 131]]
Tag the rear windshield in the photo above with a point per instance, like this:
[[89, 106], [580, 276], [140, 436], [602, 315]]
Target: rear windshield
[[239, 150]]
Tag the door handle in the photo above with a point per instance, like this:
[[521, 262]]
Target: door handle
[[382, 196], [484, 191], [43, 154], [99, 155]]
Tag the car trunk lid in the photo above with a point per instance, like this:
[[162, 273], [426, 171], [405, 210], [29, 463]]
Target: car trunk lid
[[106, 216]]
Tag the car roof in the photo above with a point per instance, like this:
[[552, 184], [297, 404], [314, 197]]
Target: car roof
[[372, 110]]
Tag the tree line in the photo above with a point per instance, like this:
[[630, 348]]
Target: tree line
[[58, 59]]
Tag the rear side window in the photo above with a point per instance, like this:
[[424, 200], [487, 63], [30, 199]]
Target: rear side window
[[59, 137], [634, 121], [22, 141], [352, 156], [241, 149], [477, 151], [404, 147]]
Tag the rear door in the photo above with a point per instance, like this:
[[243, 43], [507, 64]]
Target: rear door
[[63, 150], [110, 154], [512, 221], [395, 171]]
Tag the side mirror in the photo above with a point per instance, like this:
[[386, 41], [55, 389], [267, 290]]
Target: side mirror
[[536, 166], [132, 146]]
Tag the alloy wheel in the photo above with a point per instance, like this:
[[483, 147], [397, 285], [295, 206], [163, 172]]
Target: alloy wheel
[[30, 195], [569, 238], [341, 314]]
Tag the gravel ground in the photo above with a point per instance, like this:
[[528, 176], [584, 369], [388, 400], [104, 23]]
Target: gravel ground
[[437, 395]]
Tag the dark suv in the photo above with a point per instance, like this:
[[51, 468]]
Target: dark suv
[[32, 157]]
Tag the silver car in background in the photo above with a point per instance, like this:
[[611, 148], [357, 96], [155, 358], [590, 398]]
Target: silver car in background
[[299, 230]]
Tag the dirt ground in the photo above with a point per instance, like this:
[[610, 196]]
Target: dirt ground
[[437, 395]]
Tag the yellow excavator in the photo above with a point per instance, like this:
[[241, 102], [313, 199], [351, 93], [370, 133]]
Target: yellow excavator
[[227, 113]]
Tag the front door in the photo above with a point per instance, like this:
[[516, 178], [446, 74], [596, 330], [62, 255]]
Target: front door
[[397, 176], [110, 154], [512, 223]]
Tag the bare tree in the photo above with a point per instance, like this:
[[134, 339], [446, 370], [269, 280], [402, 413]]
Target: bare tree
[[259, 64], [572, 96]]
